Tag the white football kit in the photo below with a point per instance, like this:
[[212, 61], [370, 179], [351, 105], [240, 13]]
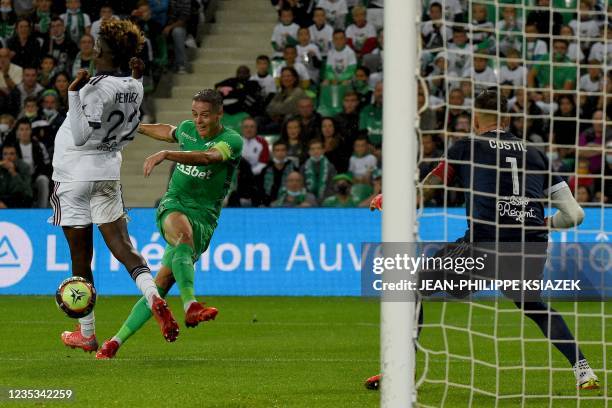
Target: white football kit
[[102, 118]]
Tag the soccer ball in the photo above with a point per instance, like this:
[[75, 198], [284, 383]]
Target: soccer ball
[[76, 297]]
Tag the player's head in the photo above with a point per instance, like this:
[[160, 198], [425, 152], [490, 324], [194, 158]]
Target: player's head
[[207, 111], [118, 41], [488, 109]]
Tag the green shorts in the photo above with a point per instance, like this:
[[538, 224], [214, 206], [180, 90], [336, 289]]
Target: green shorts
[[201, 226]]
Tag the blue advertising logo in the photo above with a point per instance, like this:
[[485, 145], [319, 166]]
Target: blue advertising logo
[[15, 254]]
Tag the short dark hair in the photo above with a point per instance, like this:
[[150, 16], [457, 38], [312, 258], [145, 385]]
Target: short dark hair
[[561, 40], [30, 99], [315, 141], [339, 30], [278, 143], [263, 58], [22, 121], [288, 46], [365, 69], [211, 96], [491, 100], [435, 4], [9, 145]]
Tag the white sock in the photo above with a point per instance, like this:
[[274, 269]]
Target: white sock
[[88, 325], [117, 339], [582, 370], [146, 284], [186, 305]]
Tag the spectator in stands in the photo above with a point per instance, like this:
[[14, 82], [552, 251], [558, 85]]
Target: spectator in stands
[[376, 189], [24, 45], [321, 33], [77, 23], [293, 194], [459, 53], [285, 102], [255, 150], [583, 195], [302, 10], [564, 121], [291, 134], [28, 86], [318, 171], [290, 60], [586, 26], [341, 62], [11, 74], [483, 31], [513, 71], [106, 14], [285, 32], [309, 119], [274, 175], [179, 12], [361, 85], [308, 54], [456, 106], [563, 77], [592, 80], [15, 188], [6, 126], [240, 93], [607, 184], [574, 53], [453, 10], [435, 32], [85, 58], [510, 28], [243, 191], [41, 18], [34, 154], [335, 11], [361, 35], [342, 197], [333, 145], [481, 73], [430, 155], [348, 119], [362, 163], [60, 85], [264, 79], [47, 71], [370, 118], [159, 11], [8, 18], [535, 47], [53, 117], [30, 109], [540, 18], [602, 49], [59, 46], [374, 60], [592, 140]]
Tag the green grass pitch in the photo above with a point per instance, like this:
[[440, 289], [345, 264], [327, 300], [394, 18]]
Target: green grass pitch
[[280, 352]]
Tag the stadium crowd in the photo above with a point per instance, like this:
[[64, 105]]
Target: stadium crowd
[[311, 113], [43, 43]]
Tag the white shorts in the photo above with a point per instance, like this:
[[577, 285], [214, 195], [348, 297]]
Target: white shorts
[[79, 203]]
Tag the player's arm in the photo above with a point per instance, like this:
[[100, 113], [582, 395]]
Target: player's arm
[[80, 127], [570, 213], [159, 131], [428, 189]]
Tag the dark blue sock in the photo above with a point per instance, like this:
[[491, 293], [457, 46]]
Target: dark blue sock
[[558, 328]]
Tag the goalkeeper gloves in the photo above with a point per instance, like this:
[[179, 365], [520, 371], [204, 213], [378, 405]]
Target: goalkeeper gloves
[[376, 203]]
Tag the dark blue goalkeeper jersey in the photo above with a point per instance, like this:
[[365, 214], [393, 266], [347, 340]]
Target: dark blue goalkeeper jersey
[[506, 182]]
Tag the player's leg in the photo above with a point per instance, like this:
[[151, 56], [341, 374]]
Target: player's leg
[[139, 315], [108, 212], [71, 211], [189, 242], [553, 326]]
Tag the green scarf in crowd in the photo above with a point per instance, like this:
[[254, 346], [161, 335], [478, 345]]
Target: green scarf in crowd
[[44, 20], [317, 173], [80, 28]]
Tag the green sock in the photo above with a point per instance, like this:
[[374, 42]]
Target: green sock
[[138, 317], [184, 273]]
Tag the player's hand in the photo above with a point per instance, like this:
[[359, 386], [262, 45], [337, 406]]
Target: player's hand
[[2, 205], [80, 80], [152, 161], [376, 203], [137, 66]]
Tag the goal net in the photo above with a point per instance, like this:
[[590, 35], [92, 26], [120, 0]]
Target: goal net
[[551, 60]]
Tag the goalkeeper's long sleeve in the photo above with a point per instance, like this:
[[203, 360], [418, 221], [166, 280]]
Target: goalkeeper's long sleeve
[[570, 213]]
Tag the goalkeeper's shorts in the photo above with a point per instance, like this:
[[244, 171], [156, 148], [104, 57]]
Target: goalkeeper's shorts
[[201, 227], [509, 261]]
